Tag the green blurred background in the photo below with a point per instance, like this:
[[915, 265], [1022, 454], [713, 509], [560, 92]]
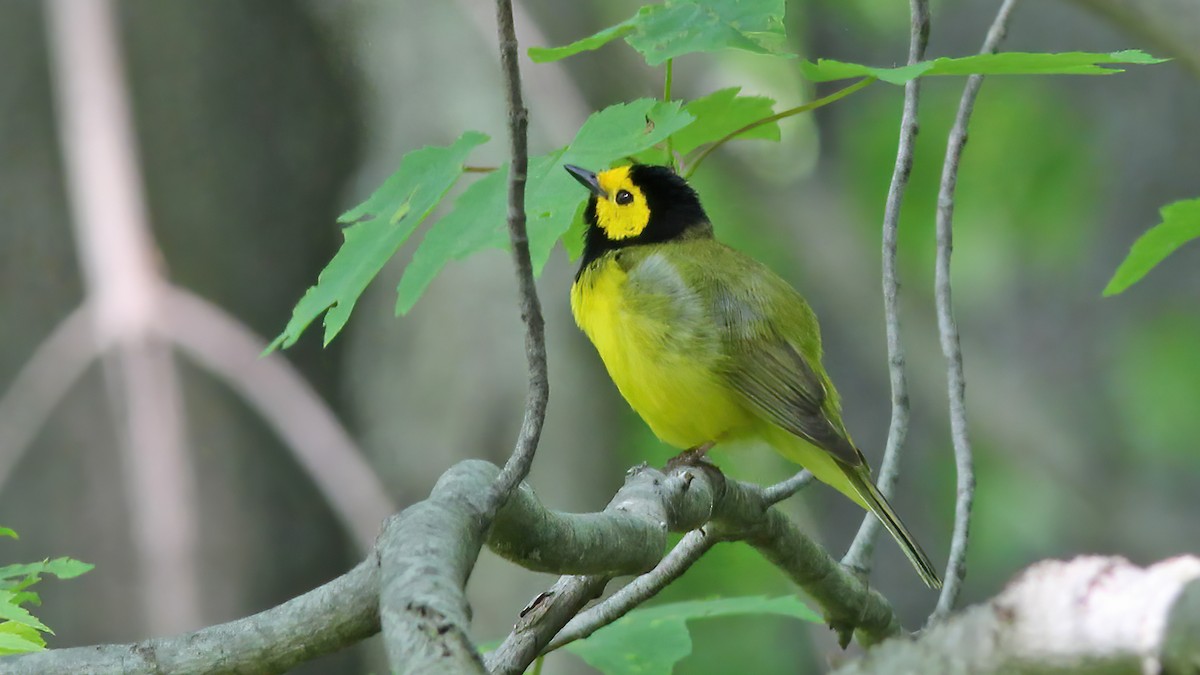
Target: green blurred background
[[259, 122]]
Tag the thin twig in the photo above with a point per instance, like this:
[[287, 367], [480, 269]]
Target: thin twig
[[859, 555], [781, 491], [956, 384], [538, 393], [689, 549], [811, 105]]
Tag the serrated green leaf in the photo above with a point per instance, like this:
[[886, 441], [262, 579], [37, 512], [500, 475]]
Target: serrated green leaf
[[475, 224], [18, 639], [27, 598], [721, 113], [1180, 224], [6, 532], [552, 197], [63, 568], [650, 641], [678, 27], [10, 611], [377, 229], [1004, 63]]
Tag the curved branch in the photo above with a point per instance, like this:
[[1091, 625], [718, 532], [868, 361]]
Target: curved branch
[[287, 403], [517, 466], [426, 554], [956, 383], [43, 382], [858, 557]]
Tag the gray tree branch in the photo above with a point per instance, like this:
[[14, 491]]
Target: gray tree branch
[[411, 584], [1088, 615], [735, 511], [956, 384], [538, 393], [858, 557]]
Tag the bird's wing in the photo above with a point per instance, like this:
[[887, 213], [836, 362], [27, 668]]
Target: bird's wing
[[772, 342], [778, 383]]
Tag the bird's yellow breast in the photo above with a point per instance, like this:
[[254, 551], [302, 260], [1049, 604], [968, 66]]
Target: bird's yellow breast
[[660, 348]]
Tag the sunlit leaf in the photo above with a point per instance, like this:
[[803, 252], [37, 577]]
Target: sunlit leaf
[[1004, 63], [552, 197], [650, 641], [678, 27], [10, 611], [376, 230], [6, 532], [721, 113], [19, 639], [1180, 224]]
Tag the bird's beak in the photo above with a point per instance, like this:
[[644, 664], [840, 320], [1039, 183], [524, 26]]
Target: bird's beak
[[587, 179]]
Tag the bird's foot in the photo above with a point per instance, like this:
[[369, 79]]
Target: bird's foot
[[697, 456]]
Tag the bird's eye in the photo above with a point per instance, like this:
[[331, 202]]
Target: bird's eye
[[624, 197]]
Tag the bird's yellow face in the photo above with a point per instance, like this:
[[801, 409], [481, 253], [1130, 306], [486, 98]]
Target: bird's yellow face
[[636, 205], [622, 211]]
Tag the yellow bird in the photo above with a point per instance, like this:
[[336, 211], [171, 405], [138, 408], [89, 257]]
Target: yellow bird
[[707, 344]]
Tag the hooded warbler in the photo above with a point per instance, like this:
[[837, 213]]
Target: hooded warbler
[[707, 344]]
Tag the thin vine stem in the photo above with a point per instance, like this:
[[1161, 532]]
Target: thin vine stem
[[811, 105]]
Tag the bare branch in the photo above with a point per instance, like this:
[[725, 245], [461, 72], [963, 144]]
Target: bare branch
[[426, 554], [740, 511], [628, 537], [782, 490], [690, 548], [116, 252], [858, 557], [287, 403], [1088, 615], [324, 620], [956, 568], [519, 463]]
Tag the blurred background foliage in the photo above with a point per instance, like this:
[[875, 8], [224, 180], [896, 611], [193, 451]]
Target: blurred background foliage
[[260, 122]]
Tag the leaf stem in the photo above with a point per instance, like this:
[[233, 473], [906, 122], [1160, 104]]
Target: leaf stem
[[811, 105]]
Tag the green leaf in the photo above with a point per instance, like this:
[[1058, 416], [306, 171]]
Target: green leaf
[[1180, 224], [552, 197], [377, 229], [1005, 63], [63, 568], [720, 114], [18, 639], [587, 44], [10, 611], [652, 640], [6, 532], [678, 27]]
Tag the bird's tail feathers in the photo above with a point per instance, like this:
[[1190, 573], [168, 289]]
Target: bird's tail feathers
[[883, 511]]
